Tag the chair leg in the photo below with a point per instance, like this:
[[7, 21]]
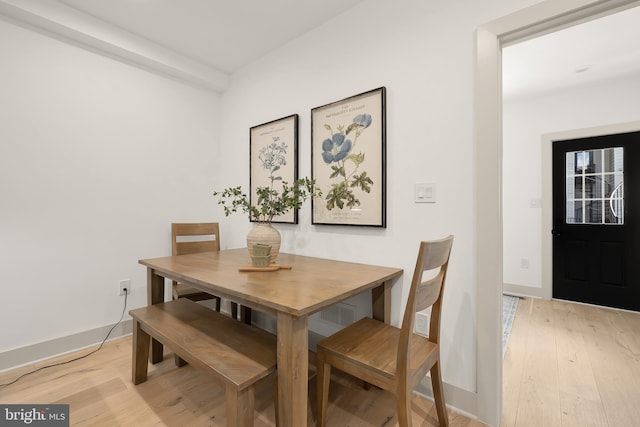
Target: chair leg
[[141, 342], [180, 362], [438, 395], [245, 314], [403, 405], [275, 399], [323, 378], [218, 300], [234, 310]]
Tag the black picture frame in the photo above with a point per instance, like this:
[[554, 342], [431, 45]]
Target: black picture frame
[[348, 160], [274, 142]]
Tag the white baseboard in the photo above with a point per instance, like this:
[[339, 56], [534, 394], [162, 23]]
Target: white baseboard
[[18, 357], [15, 358], [458, 400], [522, 291]]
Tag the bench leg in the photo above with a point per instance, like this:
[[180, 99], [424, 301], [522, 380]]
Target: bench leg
[[140, 357], [240, 406]]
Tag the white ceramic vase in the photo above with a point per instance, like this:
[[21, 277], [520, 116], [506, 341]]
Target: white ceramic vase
[[264, 233]]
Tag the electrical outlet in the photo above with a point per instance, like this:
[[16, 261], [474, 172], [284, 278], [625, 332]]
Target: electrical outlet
[[124, 287], [422, 323]]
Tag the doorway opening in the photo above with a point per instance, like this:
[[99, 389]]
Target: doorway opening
[[539, 19]]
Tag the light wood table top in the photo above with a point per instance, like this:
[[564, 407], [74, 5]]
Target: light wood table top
[[291, 295]]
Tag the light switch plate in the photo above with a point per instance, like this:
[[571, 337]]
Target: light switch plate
[[425, 192]]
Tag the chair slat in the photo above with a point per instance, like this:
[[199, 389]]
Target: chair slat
[[185, 248], [428, 292]]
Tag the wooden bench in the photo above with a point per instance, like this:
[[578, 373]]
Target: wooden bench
[[235, 354]]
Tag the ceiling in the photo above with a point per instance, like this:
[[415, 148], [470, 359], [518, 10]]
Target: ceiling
[[601, 49], [205, 41], [224, 34]]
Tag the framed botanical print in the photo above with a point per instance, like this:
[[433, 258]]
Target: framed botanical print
[[274, 159], [348, 160]]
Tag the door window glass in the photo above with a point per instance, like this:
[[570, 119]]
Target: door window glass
[[594, 190]]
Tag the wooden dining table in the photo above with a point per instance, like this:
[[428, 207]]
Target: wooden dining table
[[307, 285]]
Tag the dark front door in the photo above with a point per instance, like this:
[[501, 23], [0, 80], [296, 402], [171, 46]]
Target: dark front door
[[596, 216]]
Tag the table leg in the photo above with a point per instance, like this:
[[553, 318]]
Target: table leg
[[381, 302], [293, 369], [155, 295]]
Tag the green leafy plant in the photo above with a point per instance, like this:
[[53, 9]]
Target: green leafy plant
[[271, 202]]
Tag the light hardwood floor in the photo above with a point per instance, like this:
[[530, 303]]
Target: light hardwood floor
[[566, 365], [100, 393], [572, 365]]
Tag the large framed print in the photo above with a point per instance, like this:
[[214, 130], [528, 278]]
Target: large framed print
[[348, 160], [273, 159]]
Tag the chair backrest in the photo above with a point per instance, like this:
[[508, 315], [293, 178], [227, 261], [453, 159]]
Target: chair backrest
[[433, 257], [191, 238]]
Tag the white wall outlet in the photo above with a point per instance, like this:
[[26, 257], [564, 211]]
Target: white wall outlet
[[422, 323], [124, 287]]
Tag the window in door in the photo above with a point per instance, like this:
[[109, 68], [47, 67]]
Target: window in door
[[595, 184]]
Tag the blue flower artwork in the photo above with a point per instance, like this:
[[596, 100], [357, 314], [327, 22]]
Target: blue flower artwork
[[338, 151]]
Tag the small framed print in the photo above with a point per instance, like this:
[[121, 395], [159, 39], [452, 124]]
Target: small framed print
[[348, 160], [274, 159]]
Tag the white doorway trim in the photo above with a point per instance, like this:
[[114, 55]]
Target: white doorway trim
[[542, 18], [547, 189]]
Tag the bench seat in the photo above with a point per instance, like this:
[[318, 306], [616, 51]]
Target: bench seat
[[233, 353]]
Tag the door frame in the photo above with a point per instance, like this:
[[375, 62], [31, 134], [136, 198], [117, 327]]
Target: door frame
[[547, 189], [541, 18]]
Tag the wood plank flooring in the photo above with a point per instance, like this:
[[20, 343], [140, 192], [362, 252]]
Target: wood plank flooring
[[100, 393], [572, 365], [566, 365]]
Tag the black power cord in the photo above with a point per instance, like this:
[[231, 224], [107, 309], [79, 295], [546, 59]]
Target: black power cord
[[79, 357]]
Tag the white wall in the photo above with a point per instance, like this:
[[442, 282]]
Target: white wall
[[78, 104], [423, 53], [96, 159], [525, 121]]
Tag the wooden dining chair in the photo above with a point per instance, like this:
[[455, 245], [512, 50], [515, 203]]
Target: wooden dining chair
[[190, 238], [394, 359]]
